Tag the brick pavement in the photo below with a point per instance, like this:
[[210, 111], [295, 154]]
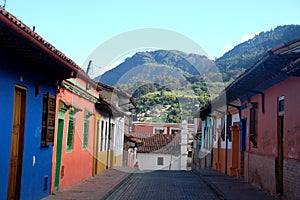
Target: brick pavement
[[96, 187], [164, 185], [123, 183], [228, 187]]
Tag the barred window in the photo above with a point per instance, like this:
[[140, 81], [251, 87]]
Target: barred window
[[48, 120], [253, 124], [70, 136], [85, 132]]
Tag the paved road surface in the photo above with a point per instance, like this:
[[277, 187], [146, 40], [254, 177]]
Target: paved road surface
[[163, 185]]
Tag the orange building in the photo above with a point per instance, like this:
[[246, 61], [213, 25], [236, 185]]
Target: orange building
[[73, 147]]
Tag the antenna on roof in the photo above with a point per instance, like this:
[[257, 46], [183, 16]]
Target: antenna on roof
[[89, 67]]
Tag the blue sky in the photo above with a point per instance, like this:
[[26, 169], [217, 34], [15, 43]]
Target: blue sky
[[77, 27]]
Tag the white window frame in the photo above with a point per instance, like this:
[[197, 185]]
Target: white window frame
[[161, 128], [171, 129]]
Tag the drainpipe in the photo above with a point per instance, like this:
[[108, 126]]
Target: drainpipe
[[170, 166], [226, 140], [109, 135]]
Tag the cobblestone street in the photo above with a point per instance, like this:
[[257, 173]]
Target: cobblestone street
[[164, 185], [128, 183]]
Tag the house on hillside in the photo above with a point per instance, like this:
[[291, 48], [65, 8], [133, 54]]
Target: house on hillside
[[31, 69], [255, 134], [114, 107], [74, 144]]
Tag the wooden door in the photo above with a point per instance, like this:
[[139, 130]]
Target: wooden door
[[59, 140], [17, 144], [96, 146]]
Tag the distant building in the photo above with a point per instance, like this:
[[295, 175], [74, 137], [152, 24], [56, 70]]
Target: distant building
[[145, 128], [131, 145], [197, 137], [165, 146]]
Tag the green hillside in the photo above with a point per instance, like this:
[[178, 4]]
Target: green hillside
[[170, 85]]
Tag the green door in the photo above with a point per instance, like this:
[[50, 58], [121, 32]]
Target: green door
[[60, 132]]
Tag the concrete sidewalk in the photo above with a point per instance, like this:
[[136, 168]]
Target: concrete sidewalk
[[228, 187], [96, 187]]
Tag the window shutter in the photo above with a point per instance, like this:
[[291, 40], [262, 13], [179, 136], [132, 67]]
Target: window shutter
[[253, 124], [70, 132], [48, 124]]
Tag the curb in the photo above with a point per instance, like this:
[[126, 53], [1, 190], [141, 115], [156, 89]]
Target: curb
[[217, 191], [114, 188]]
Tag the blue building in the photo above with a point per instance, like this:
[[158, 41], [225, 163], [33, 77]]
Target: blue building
[[30, 72]]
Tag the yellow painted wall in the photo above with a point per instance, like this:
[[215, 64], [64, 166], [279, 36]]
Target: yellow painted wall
[[102, 161], [118, 160]]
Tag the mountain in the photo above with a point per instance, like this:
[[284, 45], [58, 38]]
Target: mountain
[[244, 55], [231, 64], [148, 65], [168, 84]]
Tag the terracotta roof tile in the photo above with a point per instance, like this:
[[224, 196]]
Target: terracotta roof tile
[[12, 24], [29, 31], [161, 143]]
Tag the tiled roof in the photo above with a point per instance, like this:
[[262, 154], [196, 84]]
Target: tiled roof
[[18, 38], [133, 139], [276, 65], [110, 108], [113, 89], [161, 143], [293, 68]]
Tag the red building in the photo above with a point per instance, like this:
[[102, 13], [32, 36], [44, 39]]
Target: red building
[[143, 128], [255, 134]]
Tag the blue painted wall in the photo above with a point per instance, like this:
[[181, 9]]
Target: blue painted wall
[[6, 109], [35, 182]]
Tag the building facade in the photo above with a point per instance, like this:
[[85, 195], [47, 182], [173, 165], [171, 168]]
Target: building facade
[[76, 117], [254, 134], [114, 107], [30, 71], [145, 128], [164, 146], [51, 116]]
